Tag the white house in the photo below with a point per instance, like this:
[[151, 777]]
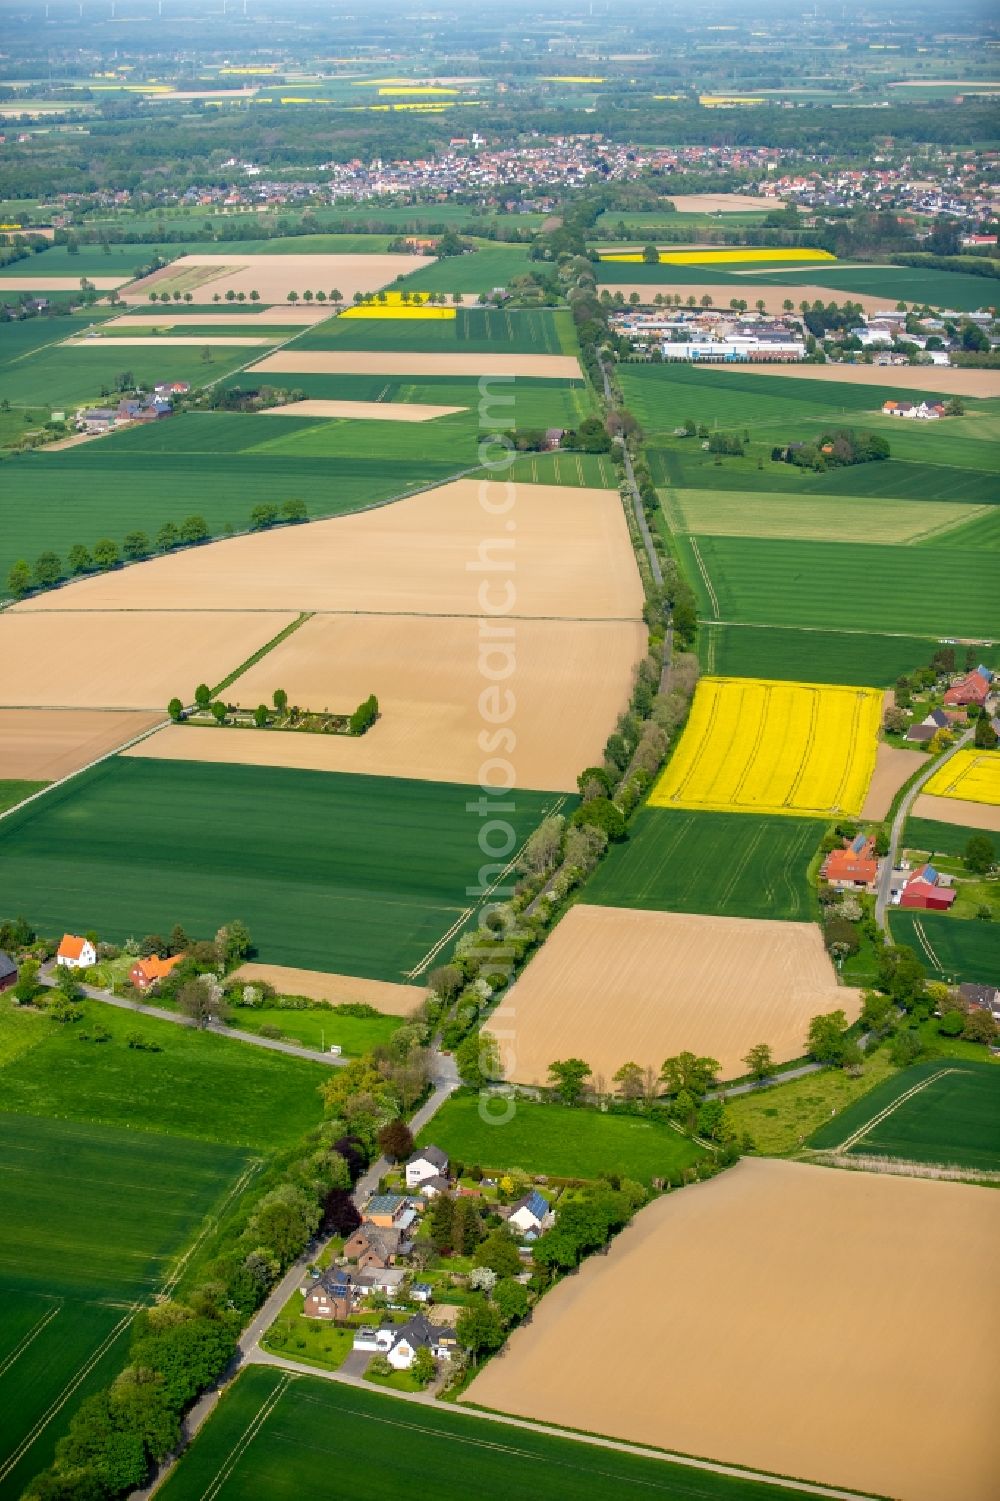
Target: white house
[[532, 1214], [76, 953], [426, 1162], [400, 1342]]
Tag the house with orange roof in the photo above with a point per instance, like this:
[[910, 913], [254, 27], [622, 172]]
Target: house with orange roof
[[76, 953], [854, 867], [145, 973]]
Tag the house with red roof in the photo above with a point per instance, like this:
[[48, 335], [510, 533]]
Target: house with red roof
[[853, 868], [974, 688], [145, 973], [76, 953], [927, 891]]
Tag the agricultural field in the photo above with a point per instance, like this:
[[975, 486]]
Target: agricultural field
[[556, 1140], [586, 469], [954, 949], [367, 411], [466, 331], [571, 679], [854, 518], [273, 276], [493, 266], [943, 591], [94, 1220], [15, 790], [794, 1229], [284, 1435], [355, 875], [934, 837], [48, 744], [672, 981], [320, 1028], [894, 766], [971, 775], [967, 815], [408, 558], [946, 380], [830, 656], [92, 261], [918, 285], [773, 747], [718, 863], [946, 1113], [65, 377], [381, 995], [290, 361]]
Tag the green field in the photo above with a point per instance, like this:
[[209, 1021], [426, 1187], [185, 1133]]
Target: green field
[[288, 1437], [556, 1140], [589, 469], [319, 1027], [814, 656], [352, 874], [728, 865], [930, 835], [525, 402], [66, 378], [948, 1112], [93, 1220], [944, 591], [12, 792], [815, 518], [479, 272], [954, 949], [471, 331], [89, 260], [913, 284]]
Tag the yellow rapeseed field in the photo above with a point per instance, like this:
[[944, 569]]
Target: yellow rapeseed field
[[721, 257], [755, 746], [973, 775], [569, 78], [416, 89], [396, 310]]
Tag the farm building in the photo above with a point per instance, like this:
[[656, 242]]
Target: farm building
[[922, 411], [8, 971], [427, 1162], [974, 688], [145, 973], [927, 890], [853, 868], [76, 953]]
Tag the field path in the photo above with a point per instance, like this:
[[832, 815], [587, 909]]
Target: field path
[[898, 823]]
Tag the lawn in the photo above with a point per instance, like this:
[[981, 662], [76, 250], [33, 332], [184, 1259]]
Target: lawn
[[723, 864], [285, 1437], [828, 656], [93, 1219], [946, 1111], [481, 271], [319, 1027], [556, 1140], [13, 792], [352, 874], [954, 949], [779, 1119], [943, 591]]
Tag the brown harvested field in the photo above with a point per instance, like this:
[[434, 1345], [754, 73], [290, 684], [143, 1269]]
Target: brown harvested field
[[721, 293], [368, 411], [391, 1000], [58, 283], [936, 378], [42, 745], [274, 276], [436, 553], [615, 986], [722, 203], [301, 314], [893, 767], [63, 658], [370, 362], [792, 1322], [959, 811], [570, 681]]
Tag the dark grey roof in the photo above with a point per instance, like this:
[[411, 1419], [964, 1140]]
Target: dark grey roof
[[979, 995], [430, 1154], [7, 966]]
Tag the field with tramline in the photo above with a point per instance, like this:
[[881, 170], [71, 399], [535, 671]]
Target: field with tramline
[[830, 656], [954, 949], [853, 518], [469, 330], [718, 863], [972, 775], [595, 469], [946, 1112], [358, 875], [773, 747]]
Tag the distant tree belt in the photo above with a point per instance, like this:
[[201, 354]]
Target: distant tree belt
[[968, 265]]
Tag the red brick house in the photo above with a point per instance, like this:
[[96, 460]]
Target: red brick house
[[145, 973]]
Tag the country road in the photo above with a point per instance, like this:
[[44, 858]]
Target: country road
[[896, 834]]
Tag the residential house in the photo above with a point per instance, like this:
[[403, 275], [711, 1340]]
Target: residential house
[[96, 419], [389, 1211], [388, 1280], [145, 973], [854, 867], [974, 688], [400, 1342], [332, 1296], [531, 1215], [431, 1187], [921, 734], [927, 890], [76, 953], [426, 1162], [554, 436], [8, 971], [982, 998], [422, 1292], [371, 1246]]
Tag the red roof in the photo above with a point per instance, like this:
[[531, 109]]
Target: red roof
[[972, 689], [154, 968], [849, 864], [71, 947]]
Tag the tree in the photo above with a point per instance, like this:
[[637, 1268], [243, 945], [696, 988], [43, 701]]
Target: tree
[[905, 1048], [279, 698], [293, 297], [980, 1027], [985, 737], [980, 855], [479, 1329], [601, 813], [263, 516], [510, 1299], [284, 1220], [827, 1037], [135, 546], [293, 510], [630, 1080], [878, 1013], [218, 711], [167, 537], [759, 1062], [442, 1212], [688, 1072], [424, 1368], [198, 1000], [193, 529], [48, 570], [79, 560], [106, 554], [175, 709], [567, 1077], [396, 1140], [261, 715], [499, 1252], [203, 695], [27, 982], [19, 579], [233, 943]]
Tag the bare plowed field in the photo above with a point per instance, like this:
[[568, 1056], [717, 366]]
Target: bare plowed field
[[42, 745], [893, 767], [369, 362], [86, 659], [787, 1324], [614, 986], [274, 276], [934, 378], [369, 411], [959, 811], [545, 550], [720, 203], [570, 680], [301, 315], [391, 1000]]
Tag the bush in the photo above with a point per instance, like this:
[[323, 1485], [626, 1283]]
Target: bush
[[364, 715]]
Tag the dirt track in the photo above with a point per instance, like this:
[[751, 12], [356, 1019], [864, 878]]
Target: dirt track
[[568, 555], [42, 745], [958, 811], [788, 1323], [613, 986], [369, 362], [570, 681], [391, 1000]]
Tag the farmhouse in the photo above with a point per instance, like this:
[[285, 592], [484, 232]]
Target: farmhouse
[[8, 972], [426, 1162], [974, 688], [927, 890], [76, 953], [145, 973], [853, 868], [923, 411]]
